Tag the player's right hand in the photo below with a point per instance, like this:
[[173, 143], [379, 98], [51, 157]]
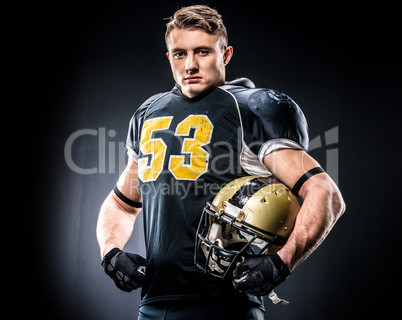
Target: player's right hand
[[126, 269]]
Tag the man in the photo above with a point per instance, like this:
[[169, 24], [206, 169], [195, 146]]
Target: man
[[183, 146]]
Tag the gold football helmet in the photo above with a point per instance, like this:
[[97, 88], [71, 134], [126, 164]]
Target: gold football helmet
[[250, 216]]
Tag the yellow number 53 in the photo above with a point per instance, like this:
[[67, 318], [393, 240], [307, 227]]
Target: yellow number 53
[[155, 148]]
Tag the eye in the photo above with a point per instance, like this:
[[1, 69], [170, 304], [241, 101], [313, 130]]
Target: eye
[[179, 55], [203, 52]]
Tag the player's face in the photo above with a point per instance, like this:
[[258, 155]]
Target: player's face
[[197, 60]]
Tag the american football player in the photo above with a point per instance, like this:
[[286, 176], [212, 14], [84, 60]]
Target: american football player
[[184, 146]]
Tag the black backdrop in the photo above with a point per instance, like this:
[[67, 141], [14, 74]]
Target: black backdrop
[[89, 65]]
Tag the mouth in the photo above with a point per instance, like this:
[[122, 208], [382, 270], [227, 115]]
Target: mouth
[[192, 79]]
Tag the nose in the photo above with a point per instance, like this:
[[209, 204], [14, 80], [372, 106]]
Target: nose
[[191, 64]]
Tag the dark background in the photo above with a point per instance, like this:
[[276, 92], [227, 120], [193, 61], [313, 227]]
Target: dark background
[[89, 65]]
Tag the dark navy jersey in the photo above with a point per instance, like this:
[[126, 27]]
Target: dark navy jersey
[[187, 150]]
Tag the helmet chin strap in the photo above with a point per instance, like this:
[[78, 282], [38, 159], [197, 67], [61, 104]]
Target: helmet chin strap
[[275, 299]]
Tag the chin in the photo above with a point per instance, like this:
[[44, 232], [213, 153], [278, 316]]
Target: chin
[[191, 93], [195, 90]]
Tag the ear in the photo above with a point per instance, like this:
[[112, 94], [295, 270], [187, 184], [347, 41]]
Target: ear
[[227, 55], [167, 54]]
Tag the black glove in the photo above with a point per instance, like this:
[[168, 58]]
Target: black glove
[[126, 269], [260, 275]]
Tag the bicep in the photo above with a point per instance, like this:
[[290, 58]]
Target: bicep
[[128, 183], [288, 165]]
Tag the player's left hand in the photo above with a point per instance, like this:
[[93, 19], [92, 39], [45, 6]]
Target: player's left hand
[[260, 275]]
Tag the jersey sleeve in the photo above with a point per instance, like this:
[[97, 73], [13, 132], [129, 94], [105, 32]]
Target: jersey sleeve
[[278, 121], [135, 128], [272, 121]]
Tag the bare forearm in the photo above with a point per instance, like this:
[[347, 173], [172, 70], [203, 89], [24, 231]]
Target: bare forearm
[[321, 209], [115, 225]]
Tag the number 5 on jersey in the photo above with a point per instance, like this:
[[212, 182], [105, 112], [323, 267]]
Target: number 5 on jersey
[[156, 148]]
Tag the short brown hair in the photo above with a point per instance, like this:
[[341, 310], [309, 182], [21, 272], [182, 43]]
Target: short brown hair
[[198, 17]]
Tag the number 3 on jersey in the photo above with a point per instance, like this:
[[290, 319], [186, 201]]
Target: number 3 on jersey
[[156, 148]]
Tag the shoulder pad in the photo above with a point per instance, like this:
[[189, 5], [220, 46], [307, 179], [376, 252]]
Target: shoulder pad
[[268, 103], [151, 99], [241, 82]]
